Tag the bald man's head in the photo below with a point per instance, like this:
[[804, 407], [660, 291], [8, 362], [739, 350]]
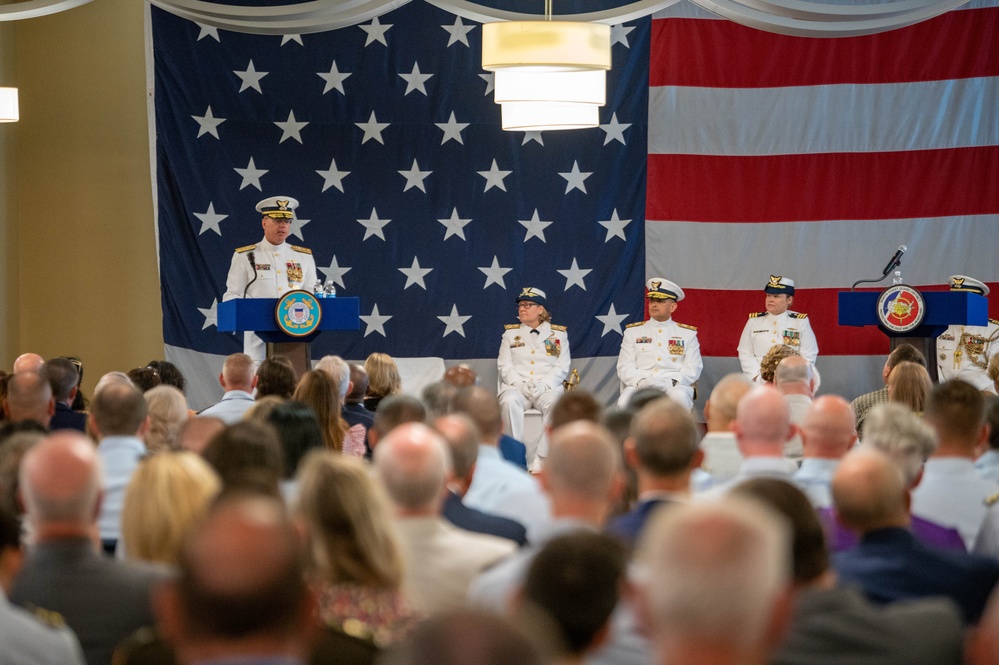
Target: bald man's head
[[794, 376], [28, 362], [829, 429], [29, 397], [413, 464], [869, 491], [720, 409], [60, 481], [763, 423]]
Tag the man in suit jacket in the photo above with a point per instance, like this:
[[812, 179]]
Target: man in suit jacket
[[63, 378], [663, 451], [101, 599], [890, 564]]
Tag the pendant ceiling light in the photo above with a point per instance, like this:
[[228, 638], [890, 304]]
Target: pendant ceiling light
[[548, 74]]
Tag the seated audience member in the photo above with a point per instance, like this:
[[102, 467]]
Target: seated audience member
[[777, 353], [722, 458], [353, 404], [987, 464], [80, 402], [299, 433], [951, 493], [29, 397], [247, 454], [461, 375], [339, 371], [662, 448], [582, 480], [465, 637], [24, 636], [167, 408], [262, 408], [354, 562], [908, 385], [168, 494], [275, 376], [837, 624], [412, 464], [197, 431], [794, 378], [908, 441], [827, 433], [643, 396], [319, 391], [436, 398], [112, 378], [714, 582], [618, 423], [238, 381], [169, 374], [101, 599], [863, 404], [395, 410], [383, 379], [28, 362], [13, 446], [241, 594], [144, 378], [463, 443], [118, 418], [64, 379], [575, 582], [572, 406], [889, 564]]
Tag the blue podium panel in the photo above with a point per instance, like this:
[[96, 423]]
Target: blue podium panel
[[943, 309], [257, 315]]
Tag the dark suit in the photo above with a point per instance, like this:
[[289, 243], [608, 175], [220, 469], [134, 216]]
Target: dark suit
[[101, 599], [66, 418], [628, 526], [470, 519], [890, 564], [513, 451]]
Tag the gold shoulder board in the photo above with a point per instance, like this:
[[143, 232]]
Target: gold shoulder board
[[635, 324], [996, 322], [991, 499], [558, 328], [688, 327], [511, 326], [242, 250], [753, 315], [303, 250], [50, 619], [799, 315]]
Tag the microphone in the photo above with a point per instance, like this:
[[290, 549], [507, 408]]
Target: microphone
[[253, 264], [895, 260]]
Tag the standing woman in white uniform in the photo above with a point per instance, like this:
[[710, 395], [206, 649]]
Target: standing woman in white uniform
[[533, 362]]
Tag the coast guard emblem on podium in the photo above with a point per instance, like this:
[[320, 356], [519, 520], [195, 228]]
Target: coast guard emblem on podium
[[901, 308], [298, 313]]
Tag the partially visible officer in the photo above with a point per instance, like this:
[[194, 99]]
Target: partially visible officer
[[777, 325], [964, 351], [660, 353]]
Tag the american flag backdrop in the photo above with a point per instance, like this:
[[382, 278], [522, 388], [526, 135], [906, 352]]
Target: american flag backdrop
[[725, 155]]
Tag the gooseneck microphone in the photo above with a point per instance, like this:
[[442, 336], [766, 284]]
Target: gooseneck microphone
[[253, 264], [896, 260]]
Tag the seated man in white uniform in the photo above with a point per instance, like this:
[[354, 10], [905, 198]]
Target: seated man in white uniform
[[964, 351], [777, 325], [533, 362], [270, 268], [660, 353]]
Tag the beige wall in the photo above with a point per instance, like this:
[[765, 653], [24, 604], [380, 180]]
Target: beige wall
[[84, 259]]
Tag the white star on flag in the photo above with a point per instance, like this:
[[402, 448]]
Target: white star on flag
[[250, 78], [373, 226], [532, 136], [334, 79], [415, 274], [207, 31], [494, 177], [574, 178], [415, 177], [535, 227], [574, 276], [291, 38], [612, 321], [454, 322], [251, 175], [375, 322], [208, 123], [376, 32], [211, 314], [210, 219], [619, 34], [494, 274], [490, 82], [296, 227], [291, 128], [452, 128], [333, 177], [415, 80], [335, 272], [454, 225], [615, 226], [458, 32], [614, 130], [372, 129]]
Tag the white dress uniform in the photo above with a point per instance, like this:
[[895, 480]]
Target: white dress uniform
[[660, 354], [526, 356], [963, 352], [280, 269], [763, 330]]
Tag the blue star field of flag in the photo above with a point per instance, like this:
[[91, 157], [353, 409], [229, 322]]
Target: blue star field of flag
[[411, 196]]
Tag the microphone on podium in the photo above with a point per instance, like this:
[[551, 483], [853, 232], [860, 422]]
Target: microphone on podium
[[896, 260], [253, 264]]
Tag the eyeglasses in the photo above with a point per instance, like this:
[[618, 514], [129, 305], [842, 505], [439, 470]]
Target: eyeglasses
[[527, 305]]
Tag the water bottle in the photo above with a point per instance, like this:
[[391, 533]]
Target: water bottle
[[329, 291], [897, 277], [317, 289]]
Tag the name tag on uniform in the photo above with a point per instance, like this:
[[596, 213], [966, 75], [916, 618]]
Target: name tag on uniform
[[643, 340], [947, 337], [792, 338], [676, 346], [263, 266], [764, 331]]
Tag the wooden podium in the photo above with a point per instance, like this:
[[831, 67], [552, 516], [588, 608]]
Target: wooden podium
[[259, 315]]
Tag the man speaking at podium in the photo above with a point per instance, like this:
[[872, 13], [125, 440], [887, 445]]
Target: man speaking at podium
[[270, 268]]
